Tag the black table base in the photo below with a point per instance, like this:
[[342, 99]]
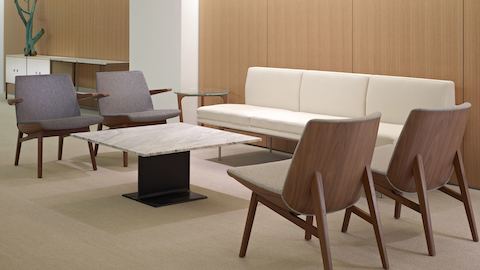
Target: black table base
[[164, 180]]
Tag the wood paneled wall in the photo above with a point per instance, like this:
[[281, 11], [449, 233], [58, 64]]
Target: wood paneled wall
[[233, 37], [319, 38], [86, 28], [429, 38], [472, 89], [410, 38]]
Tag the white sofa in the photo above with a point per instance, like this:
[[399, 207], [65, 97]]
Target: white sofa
[[279, 102]]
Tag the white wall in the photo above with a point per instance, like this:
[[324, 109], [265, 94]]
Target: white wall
[[189, 56], [164, 45]]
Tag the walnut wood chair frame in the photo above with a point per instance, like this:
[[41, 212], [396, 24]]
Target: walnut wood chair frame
[[32, 132], [115, 122], [427, 153], [330, 166]]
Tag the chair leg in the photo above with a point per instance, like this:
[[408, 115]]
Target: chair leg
[[375, 219], [99, 127], [398, 210], [19, 147], [40, 157], [92, 156], [125, 159], [60, 147], [421, 186], [309, 221], [346, 219], [321, 216], [464, 189], [248, 226]]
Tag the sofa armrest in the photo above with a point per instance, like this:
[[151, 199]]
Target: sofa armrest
[[14, 101], [159, 91]]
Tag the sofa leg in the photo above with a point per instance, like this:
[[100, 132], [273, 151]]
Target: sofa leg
[[219, 153], [270, 144]]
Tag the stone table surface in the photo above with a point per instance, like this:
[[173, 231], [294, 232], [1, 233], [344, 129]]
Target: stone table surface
[[164, 139]]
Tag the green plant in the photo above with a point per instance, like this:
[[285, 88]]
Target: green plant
[[29, 12]]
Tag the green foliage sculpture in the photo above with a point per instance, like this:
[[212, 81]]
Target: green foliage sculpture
[[29, 12]]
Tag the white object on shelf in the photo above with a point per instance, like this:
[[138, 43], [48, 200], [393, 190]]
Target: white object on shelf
[[38, 66], [18, 64], [15, 66]]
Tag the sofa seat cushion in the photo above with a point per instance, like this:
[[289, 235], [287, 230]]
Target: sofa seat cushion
[[381, 158], [239, 114], [388, 133], [269, 176], [287, 121]]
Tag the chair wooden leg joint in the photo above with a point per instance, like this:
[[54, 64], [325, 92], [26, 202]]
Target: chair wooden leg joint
[[309, 222], [421, 186], [40, 157], [19, 147], [92, 156], [248, 226]]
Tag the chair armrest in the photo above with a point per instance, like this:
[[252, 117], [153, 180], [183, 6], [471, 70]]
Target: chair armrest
[[14, 101], [159, 91], [84, 96]]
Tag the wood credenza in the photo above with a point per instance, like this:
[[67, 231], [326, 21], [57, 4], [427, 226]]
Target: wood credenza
[[20, 65]]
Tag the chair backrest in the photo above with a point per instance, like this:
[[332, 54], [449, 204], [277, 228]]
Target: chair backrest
[[436, 135], [45, 97], [339, 150], [128, 92]]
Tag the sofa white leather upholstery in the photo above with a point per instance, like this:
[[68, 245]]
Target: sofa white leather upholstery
[[395, 97], [280, 102]]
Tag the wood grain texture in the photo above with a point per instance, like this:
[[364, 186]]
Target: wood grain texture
[[87, 28], [342, 152], [436, 136], [233, 37], [472, 91], [410, 38], [310, 34]]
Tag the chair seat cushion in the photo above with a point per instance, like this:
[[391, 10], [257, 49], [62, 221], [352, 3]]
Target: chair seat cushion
[[269, 176], [67, 123], [150, 116], [381, 158], [287, 121]]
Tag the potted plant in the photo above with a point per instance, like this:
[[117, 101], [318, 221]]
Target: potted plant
[[27, 15]]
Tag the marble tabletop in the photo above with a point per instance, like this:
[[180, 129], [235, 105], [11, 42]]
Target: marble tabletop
[[164, 139]]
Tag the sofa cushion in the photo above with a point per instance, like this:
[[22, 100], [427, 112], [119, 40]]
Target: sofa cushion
[[381, 158], [333, 93], [287, 121], [239, 114], [395, 97], [273, 87], [388, 133]]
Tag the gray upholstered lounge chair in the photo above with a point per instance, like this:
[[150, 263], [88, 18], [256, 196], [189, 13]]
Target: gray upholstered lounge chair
[[47, 106], [129, 102]]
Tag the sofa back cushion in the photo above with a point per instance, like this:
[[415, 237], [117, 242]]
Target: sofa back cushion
[[273, 87], [395, 97], [333, 93]]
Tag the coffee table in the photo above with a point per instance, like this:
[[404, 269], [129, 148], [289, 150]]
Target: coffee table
[[164, 157]]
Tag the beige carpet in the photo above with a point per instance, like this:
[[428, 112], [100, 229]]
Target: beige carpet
[[76, 219]]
